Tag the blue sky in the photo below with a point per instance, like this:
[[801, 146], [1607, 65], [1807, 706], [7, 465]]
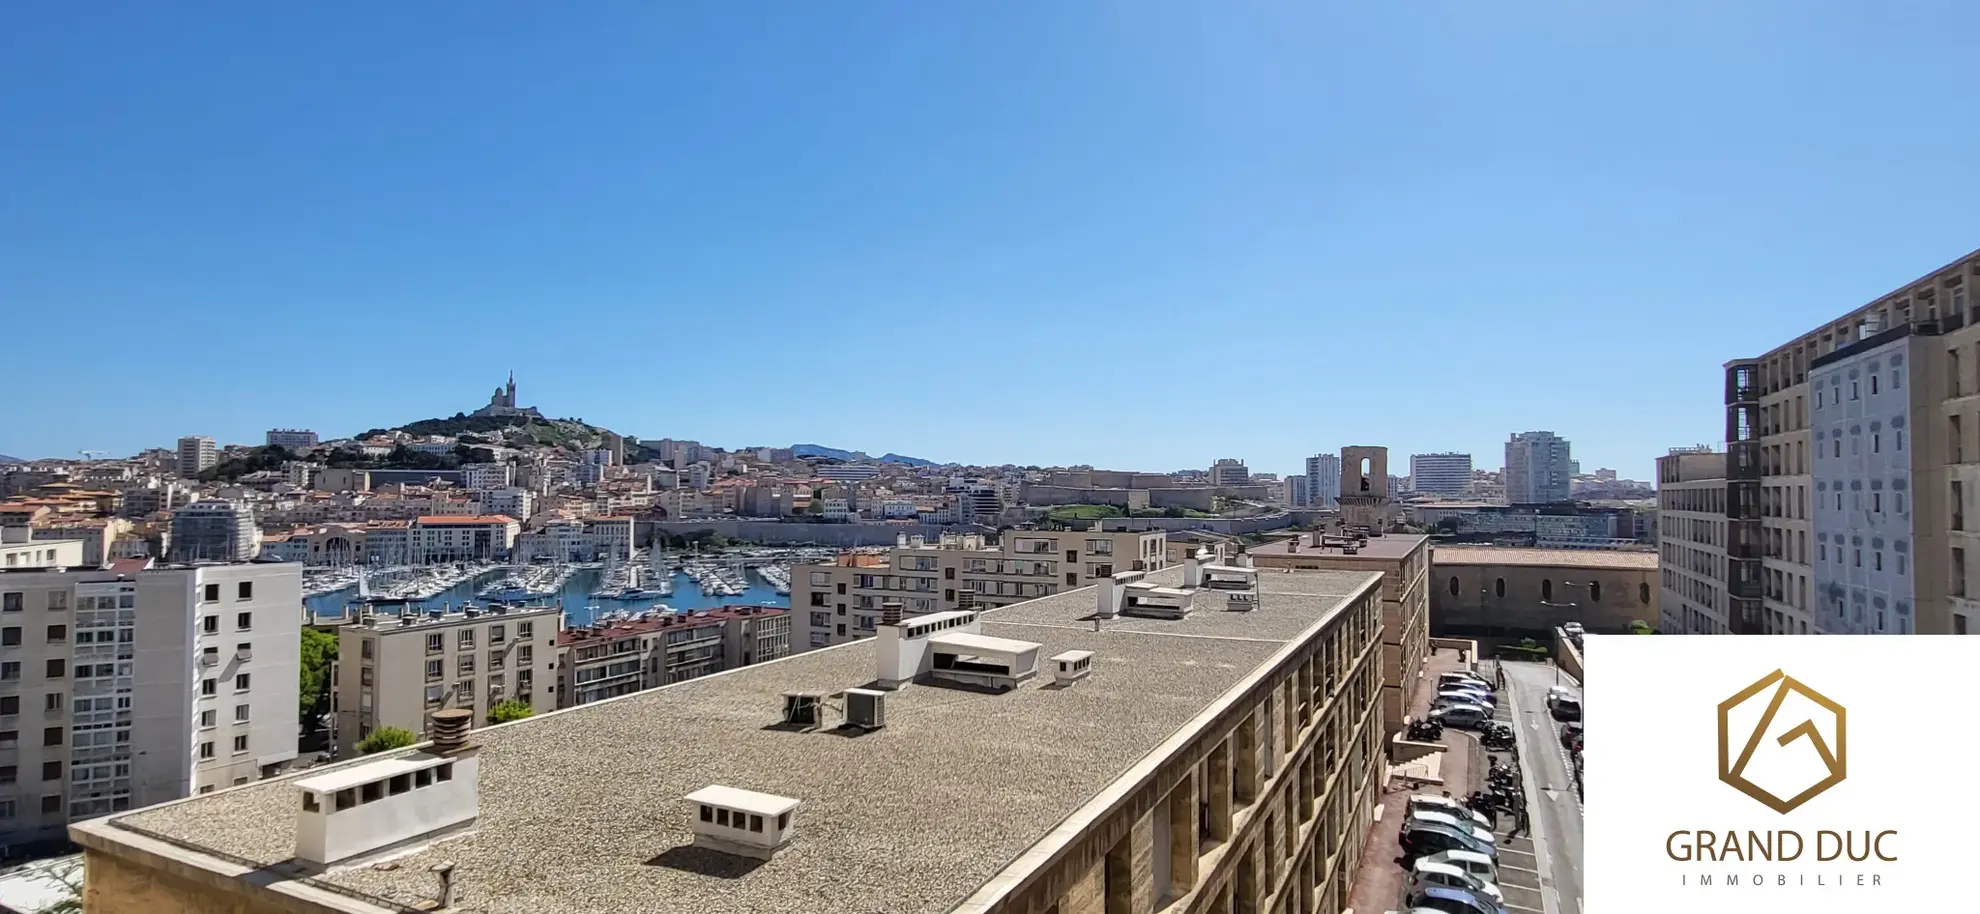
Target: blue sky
[[1133, 234]]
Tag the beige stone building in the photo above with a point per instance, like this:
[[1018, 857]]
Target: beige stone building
[[1403, 560], [395, 671], [1492, 592], [837, 602], [1691, 542], [1853, 459], [609, 659], [1223, 763]]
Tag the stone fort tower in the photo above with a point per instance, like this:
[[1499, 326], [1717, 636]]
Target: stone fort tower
[[1365, 487]]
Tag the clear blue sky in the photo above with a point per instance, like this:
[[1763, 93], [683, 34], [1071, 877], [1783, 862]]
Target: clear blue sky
[[1132, 234]]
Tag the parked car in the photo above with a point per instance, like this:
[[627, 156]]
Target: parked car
[[1472, 862], [1453, 901], [1461, 716], [1430, 802], [1571, 736], [1572, 628], [1567, 709], [1558, 692], [1423, 839], [1480, 833], [1426, 874], [1470, 698], [1463, 676], [1481, 708]]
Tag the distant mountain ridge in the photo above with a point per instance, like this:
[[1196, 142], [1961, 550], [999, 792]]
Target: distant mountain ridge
[[819, 450], [6, 459]]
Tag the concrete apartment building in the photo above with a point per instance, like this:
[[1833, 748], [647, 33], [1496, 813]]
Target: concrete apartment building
[[395, 671], [1691, 542], [1447, 474], [607, 660], [291, 439], [838, 602], [1403, 561], [1229, 471], [440, 538], [214, 530], [1538, 469], [118, 691], [1221, 762], [19, 549], [197, 454], [1323, 481], [1861, 436]]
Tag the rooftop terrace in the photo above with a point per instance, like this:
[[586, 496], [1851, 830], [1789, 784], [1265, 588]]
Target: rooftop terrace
[[581, 810]]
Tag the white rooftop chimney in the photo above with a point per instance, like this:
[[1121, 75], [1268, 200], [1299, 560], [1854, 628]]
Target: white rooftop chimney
[[365, 808], [742, 822], [1071, 667], [1192, 572]]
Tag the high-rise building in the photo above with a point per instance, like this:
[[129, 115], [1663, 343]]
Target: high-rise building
[[1538, 469], [1229, 471], [1297, 492], [1040, 765], [395, 671], [214, 530], [1448, 473], [292, 439], [145, 687], [1691, 541], [197, 454], [1851, 455], [1323, 480]]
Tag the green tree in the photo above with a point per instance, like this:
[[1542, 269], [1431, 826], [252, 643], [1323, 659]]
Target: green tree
[[386, 739], [319, 651], [1640, 627], [508, 710]]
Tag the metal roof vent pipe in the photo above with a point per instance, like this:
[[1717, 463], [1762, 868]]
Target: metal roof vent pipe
[[890, 612], [450, 730]]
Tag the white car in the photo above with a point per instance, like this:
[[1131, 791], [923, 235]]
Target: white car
[[1572, 628], [1481, 833], [1430, 802], [1481, 698], [1472, 862], [1426, 874]]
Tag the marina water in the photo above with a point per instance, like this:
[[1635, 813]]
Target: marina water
[[575, 597]]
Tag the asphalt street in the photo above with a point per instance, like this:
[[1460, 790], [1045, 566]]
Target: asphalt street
[[1554, 804]]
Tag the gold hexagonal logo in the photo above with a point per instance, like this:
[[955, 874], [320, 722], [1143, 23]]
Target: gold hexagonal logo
[[1734, 770]]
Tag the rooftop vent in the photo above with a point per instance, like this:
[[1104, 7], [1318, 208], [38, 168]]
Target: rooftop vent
[[1111, 591], [742, 822], [366, 808], [801, 708], [1193, 571], [450, 729], [866, 709], [904, 643], [890, 612], [1071, 667]]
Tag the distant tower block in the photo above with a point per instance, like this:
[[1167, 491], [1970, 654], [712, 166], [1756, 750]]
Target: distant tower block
[[1365, 488]]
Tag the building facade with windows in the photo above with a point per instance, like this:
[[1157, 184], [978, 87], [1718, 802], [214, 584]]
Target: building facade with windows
[[197, 454], [1692, 559], [440, 538], [1447, 474], [606, 660], [1323, 481], [840, 601], [1539, 470], [1862, 434], [395, 671], [291, 439], [1229, 471], [120, 691], [214, 530]]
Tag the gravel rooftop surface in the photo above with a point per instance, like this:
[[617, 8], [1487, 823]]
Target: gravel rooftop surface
[[581, 811]]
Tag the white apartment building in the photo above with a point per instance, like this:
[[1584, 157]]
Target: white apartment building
[[1691, 542], [1538, 469], [395, 671], [437, 538], [841, 601], [606, 660], [1323, 481], [20, 550], [513, 502], [487, 475], [1447, 474], [847, 472], [120, 691], [1296, 492], [197, 454], [215, 530]]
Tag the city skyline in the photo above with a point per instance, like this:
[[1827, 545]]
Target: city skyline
[[716, 208]]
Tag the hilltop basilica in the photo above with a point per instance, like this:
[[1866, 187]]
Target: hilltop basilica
[[503, 403]]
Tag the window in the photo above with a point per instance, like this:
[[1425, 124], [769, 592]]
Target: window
[[51, 803], [207, 718], [1643, 593], [1499, 588], [240, 713], [435, 644], [1876, 443], [241, 743], [466, 665], [524, 655], [1595, 592], [9, 774], [208, 687], [51, 736], [58, 634], [206, 749], [211, 593], [1955, 441], [11, 635], [525, 629], [1454, 585], [241, 682], [1873, 384], [466, 639], [1876, 561], [244, 621], [10, 704], [51, 771], [58, 668], [755, 823], [1546, 589], [497, 634], [209, 624], [11, 602], [1876, 501], [435, 670], [245, 591], [1958, 572], [53, 701]]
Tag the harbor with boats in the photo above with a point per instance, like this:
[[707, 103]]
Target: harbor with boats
[[586, 591]]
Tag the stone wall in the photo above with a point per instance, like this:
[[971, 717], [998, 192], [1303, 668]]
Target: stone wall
[[1512, 600]]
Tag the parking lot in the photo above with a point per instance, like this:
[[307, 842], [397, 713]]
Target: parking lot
[[1519, 864]]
